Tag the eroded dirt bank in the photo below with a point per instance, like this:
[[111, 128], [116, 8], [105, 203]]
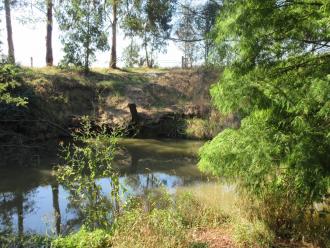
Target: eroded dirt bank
[[169, 103]]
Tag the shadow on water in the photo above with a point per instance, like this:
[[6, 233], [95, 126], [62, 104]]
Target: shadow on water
[[31, 200]]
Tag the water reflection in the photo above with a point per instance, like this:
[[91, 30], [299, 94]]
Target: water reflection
[[32, 201]]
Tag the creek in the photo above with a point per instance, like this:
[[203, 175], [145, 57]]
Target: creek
[[31, 200]]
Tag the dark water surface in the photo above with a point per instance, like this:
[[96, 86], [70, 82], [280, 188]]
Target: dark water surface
[[30, 197]]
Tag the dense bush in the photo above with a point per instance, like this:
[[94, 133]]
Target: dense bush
[[278, 79], [10, 80]]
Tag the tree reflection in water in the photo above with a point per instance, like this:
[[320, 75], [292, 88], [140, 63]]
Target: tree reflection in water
[[27, 195]]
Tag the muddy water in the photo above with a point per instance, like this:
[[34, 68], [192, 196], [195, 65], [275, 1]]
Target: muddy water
[[30, 197]]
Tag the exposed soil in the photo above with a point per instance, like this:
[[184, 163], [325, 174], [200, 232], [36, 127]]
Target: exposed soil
[[213, 238], [184, 92], [59, 99]]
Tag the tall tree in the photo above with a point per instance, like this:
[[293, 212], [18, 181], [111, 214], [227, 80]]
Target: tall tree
[[82, 22], [131, 54], [11, 53], [151, 22], [37, 11], [113, 59], [187, 33], [277, 78], [205, 22], [49, 48]]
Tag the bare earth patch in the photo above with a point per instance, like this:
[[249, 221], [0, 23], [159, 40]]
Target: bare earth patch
[[213, 237]]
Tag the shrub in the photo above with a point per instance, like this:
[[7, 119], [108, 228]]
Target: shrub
[[158, 228], [252, 233], [83, 239], [10, 79], [196, 213]]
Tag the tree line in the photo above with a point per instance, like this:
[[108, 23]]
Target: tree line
[[148, 24]]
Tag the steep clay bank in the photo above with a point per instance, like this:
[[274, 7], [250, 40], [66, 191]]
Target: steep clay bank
[[169, 103]]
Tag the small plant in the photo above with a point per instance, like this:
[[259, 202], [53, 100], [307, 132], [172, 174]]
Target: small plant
[[155, 227], [83, 239], [88, 158], [26, 241], [252, 233], [10, 79]]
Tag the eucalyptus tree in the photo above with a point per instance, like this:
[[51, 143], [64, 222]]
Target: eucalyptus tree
[[84, 32], [151, 22], [46, 8], [11, 52], [131, 54], [42, 11], [193, 29], [113, 57], [49, 47], [205, 22], [187, 33], [277, 78], [8, 5]]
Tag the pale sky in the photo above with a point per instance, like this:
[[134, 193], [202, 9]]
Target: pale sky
[[29, 41]]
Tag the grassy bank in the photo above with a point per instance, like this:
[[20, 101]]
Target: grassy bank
[[210, 215], [203, 216], [58, 98]]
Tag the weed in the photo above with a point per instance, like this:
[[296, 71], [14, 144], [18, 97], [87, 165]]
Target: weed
[[84, 239]]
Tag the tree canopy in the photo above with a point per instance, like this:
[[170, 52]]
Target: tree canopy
[[84, 31], [151, 22], [277, 78]]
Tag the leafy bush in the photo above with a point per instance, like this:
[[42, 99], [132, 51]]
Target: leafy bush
[[278, 81], [84, 239], [158, 228], [196, 213], [10, 79], [26, 241], [252, 234], [87, 159], [209, 128]]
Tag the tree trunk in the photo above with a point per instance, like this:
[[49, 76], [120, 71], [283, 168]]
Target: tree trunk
[[11, 54], [113, 61], [134, 113], [146, 51], [56, 207], [87, 44], [86, 64], [20, 213], [49, 48]]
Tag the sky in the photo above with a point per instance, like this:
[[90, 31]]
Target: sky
[[29, 41]]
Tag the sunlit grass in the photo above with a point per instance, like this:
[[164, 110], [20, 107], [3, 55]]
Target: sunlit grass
[[214, 195]]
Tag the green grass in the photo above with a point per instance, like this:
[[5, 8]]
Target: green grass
[[83, 239], [97, 77], [161, 220], [168, 221]]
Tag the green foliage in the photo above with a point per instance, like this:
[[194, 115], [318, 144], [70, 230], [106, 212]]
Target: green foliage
[[158, 226], [205, 23], [83, 23], [83, 239], [186, 31], [87, 159], [131, 54], [277, 78], [150, 21], [252, 234], [26, 241], [159, 221], [207, 128], [198, 214], [10, 78]]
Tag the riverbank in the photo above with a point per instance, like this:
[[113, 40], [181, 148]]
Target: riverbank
[[143, 103], [208, 215]]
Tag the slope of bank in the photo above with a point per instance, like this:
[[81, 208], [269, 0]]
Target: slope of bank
[[169, 103]]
